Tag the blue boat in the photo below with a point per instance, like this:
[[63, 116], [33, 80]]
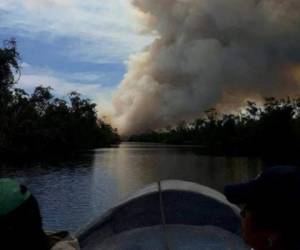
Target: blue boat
[[167, 215]]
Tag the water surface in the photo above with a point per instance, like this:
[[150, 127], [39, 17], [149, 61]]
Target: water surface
[[73, 192]]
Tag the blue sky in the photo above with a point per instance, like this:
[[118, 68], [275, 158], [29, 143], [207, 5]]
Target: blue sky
[[73, 44]]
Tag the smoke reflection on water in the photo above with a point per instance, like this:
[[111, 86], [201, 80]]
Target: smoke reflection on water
[[72, 193]]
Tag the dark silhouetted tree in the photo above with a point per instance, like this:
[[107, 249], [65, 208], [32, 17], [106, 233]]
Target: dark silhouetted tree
[[41, 123]]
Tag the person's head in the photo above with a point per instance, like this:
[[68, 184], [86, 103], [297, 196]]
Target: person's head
[[271, 208], [20, 219]]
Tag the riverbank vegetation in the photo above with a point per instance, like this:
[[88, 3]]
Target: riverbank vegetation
[[271, 129], [40, 123]]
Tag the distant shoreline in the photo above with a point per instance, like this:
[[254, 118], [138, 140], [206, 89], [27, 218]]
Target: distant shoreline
[[17, 156]]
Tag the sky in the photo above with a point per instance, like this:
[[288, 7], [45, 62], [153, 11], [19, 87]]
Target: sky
[[73, 44]]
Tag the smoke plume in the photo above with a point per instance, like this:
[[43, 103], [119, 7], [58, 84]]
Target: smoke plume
[[208, 53]]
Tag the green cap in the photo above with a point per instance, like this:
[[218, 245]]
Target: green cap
[[11, 195]]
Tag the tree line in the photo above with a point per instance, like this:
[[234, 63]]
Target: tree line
[[42, 123], [271, 129]]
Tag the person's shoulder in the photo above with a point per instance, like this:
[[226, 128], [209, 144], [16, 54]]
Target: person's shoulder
[[63, 241]]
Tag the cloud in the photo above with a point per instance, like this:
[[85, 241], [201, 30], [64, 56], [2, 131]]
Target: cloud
[[37, 4], [60, 86], [97, 91], [78, 76], [98, 31]]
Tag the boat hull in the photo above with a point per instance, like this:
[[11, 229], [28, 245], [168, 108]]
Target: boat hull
[[163, 209]]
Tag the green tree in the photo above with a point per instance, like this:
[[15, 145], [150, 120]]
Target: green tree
[[9, 66], [41, 123]]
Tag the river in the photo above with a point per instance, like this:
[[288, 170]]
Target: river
[[73, 192]]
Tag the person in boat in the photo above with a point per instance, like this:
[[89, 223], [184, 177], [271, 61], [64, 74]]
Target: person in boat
[[21, 222], [270, 208]]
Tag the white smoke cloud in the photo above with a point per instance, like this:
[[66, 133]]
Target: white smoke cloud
[[208, 53]]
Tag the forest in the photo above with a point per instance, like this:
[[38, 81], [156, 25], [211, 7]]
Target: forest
[[271, 129], [40, 123]]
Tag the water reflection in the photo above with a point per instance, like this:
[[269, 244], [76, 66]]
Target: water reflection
[[73, 192]]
